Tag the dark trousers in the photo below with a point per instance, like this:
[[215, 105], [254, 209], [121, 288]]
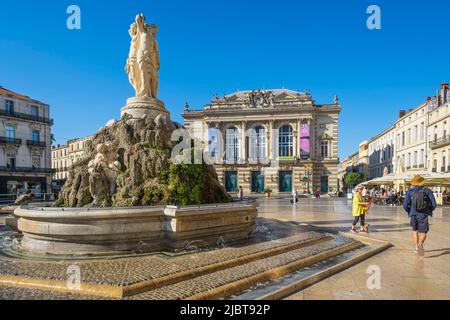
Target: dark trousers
[[363, 220]]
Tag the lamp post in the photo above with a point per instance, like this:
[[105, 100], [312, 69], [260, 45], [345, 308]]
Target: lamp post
[[308, 175]]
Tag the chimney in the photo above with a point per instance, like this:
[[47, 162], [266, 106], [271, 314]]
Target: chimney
[[444, 91], [401, 114]]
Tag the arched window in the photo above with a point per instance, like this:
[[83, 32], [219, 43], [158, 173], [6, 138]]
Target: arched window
[[213, 136], [258, 143], [286, 141], [232, 144]]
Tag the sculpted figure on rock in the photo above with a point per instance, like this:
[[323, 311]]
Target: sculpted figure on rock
[[103, 171]]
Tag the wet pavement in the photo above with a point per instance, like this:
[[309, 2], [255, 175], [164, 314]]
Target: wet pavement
[[403, 274], [274, 244]]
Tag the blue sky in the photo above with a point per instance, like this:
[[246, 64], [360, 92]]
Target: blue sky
[[219, 46]]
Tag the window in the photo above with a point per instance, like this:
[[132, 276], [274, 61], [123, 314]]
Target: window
[[444, 162], [232, 144], [422, 131], [11, 163], [324, 149], [414, 134], [414, 159], [9, 106], [36, 136], [258, 143], [213, 136], [10, 133], [286, 141], [36, 162], [403, 138], [35, 111]]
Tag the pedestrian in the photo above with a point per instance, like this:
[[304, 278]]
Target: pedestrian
[[294, 196], [364, 193], [241, 193], [360, 208], [318, 193], [419, 204]]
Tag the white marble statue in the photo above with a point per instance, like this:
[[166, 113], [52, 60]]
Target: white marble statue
[[143, 60]]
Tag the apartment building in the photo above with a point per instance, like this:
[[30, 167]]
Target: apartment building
[[25, 144]]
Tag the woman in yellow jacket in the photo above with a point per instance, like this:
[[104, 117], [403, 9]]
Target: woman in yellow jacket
[[360, 208]]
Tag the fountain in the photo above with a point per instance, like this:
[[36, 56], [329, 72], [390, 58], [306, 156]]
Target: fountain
[[128, 195]]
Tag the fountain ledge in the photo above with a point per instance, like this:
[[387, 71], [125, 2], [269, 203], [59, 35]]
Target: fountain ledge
[[91, 231]]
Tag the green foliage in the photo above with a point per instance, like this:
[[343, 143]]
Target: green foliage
[[353, 179], [185, 184]]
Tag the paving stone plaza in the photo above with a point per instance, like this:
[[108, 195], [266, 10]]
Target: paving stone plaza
[[404, 275]]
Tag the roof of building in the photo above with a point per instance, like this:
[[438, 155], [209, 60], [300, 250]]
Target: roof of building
[[275, 92], [12, 94]]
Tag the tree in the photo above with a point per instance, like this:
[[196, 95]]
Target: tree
[[353, 179]]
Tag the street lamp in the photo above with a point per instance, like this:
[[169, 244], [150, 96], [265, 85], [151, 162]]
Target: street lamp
[[307, 178]]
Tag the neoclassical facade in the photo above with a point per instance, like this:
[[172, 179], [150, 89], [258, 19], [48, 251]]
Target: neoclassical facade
[[270, 139], [439, 131], [382, 154], [25, 142], [417, 142], [65, 156]]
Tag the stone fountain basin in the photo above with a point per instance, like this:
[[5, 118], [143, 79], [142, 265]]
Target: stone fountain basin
[[90, 231]]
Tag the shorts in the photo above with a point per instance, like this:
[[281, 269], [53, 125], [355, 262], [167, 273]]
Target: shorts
[[420, 224]]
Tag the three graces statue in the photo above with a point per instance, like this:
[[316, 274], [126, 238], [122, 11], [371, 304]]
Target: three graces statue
[[143, 60]]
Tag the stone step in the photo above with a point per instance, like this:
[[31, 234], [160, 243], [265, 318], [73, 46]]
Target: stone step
[[121, 277], [235, 279], [282, 247]]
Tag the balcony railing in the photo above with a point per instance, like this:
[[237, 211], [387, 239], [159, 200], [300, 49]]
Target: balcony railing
[[25, 170], [442, 169], [33, 143], [25, 116], [434, 170], [440, 142], [7, 140]]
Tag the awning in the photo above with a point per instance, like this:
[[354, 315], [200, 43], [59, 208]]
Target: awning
[[431, 178]]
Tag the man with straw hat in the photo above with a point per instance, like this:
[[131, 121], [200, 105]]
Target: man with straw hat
[[420, 204]]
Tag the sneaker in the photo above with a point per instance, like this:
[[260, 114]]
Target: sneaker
[[421, 251], [365, 229], [353, 230], [416, 251]]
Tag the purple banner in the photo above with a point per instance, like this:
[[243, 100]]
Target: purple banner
[[305, 150]]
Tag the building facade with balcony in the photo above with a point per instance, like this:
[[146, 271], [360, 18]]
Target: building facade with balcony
[[382, 154], [270, 139], [25, 144], [439, 132], [355, 163], [65, 156], [411, 140]]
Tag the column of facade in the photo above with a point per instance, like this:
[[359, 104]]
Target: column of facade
[[272, 154], [242, 152], [299, 126], [312, 138]]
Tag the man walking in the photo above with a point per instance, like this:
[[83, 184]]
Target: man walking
[[241, 193], [420, 204]]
